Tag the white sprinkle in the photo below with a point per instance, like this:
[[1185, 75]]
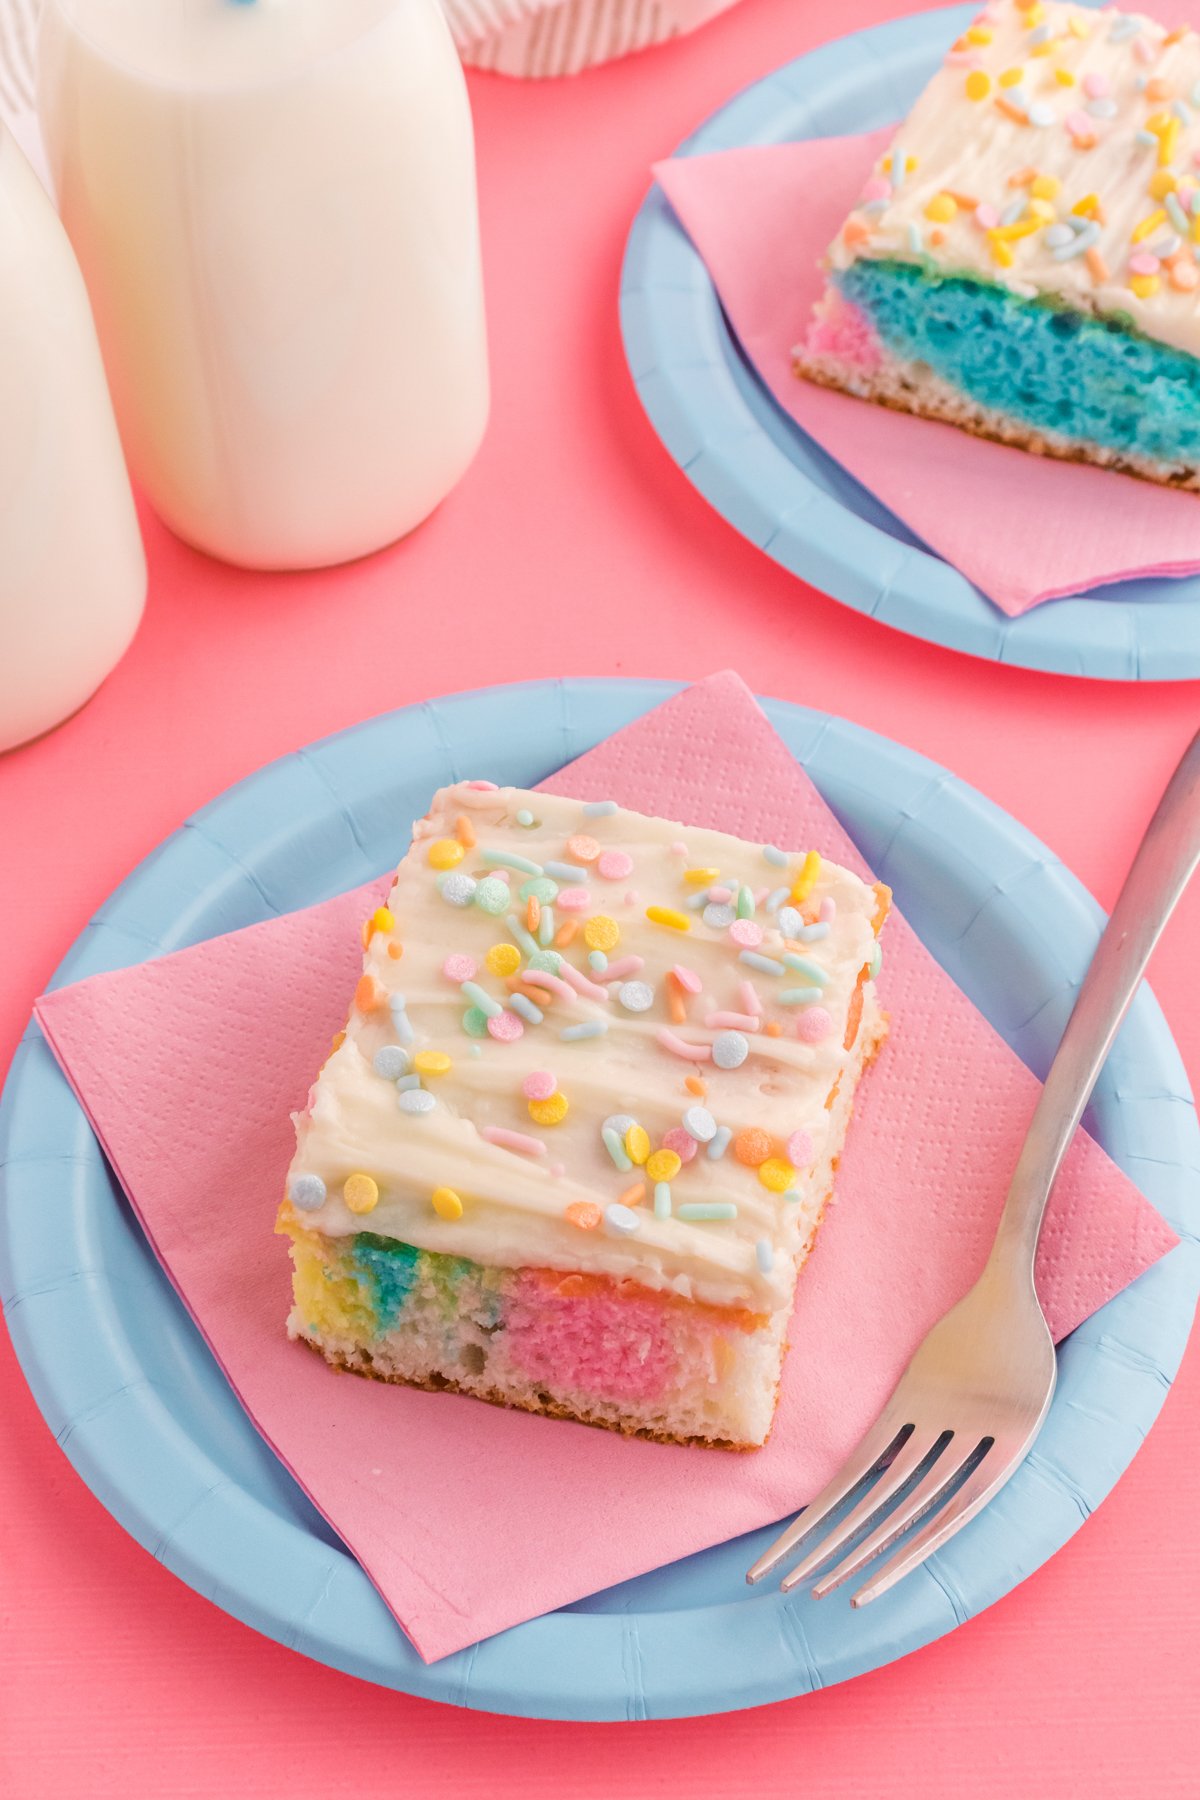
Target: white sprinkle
[[620, 1220], [764, 1255]]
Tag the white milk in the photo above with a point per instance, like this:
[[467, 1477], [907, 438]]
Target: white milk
[[273, 202], [72, 572]]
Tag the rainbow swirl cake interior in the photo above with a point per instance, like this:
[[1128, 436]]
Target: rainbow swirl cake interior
[[1022, 261], [577, 1137]]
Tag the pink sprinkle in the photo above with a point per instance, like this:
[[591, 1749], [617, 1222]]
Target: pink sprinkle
[[878, 188], [632, 897], [502, 874], [688, 979], [813, 1024], [689, 1052], [506, 1027], [986, 216], [828, 912], [513, 1140], [1095, 85], [539, 1084], [1142, 263], [558, 1170], [1081, 126], [615, 865], [678, 848], [746, 933], [624, 965], [731, 1021], [459, 968], [799, 1149], [543, 978], [722, 895], [1143, 50], [961, 59], [748, 995], [482, 787], [681, 1142], [576, 899], [580, 982]]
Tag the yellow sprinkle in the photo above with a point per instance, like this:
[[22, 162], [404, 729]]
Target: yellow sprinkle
[[1033, 15], [979, 85], [1078, 27], [1158, 122], [549, 1112], [637, 1144], [776, 1174], [601, 932], [666, 915], [1162, 183], [432, 1062], [664, 1165], [446, 1203], [1168, 142], [1012, 78], [503, 959], [445, 853], [806, 880], [1023, 228], [383, 919], [941, 209], [700, 877], [1196, 229], [1148, 225], [1042, 211], [1087, 207], [978, 34], [1046, 49], [1144, 285], [360, 1193], [1000, 251], [910, 163], [1045, 187]]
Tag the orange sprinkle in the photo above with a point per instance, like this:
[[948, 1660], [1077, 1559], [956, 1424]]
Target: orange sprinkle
[[464, 831], [533, 913], [584, 1213], [368, 930], [1157, 89], [1022, 177], [583, 849], [395, 950], [752, 1146], [339, 1038], [937, 236], [676, 1004], [694, 1085], [566, 933], [369, 994], [856, 230], [1173, 37], [1097, 267], [967, 202], [773, 1028], [1013, 112], [634, 1194]]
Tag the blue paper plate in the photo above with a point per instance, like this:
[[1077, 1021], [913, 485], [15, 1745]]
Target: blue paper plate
[[142, 1411], [754, 464]]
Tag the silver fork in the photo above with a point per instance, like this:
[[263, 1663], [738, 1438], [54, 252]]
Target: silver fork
[[972, 1400]]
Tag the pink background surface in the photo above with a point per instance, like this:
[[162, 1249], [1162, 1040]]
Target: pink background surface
[[114, 1678]]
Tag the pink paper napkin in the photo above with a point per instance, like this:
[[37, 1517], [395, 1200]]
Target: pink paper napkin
[[469, 1518], [1022, 528]]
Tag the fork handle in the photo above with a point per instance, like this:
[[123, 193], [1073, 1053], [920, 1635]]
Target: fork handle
[[1164, 863]]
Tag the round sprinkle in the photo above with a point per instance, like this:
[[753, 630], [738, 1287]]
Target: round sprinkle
[[718, 915], [539, 1084], [682, 1143], [547, 961], [492, 895], [637, 1144], [619, 1123], [620, 1220], [699, 1123], [584, 1214], [799, 1149], [752, 1147], [391, 1062], [979, 85], [791, 922], [525, 818], [597, 961], [506, 1027], [307, 1192], [813, 1024], [458, 889], [688, 980], [541, 889], [636, 996], [432, 1062], [383, 919], [615, 865], [459, 968], [601, 933], [446, 1203], [776, 1174], [503, 959], [584, 849], [445, 853], [574, 899], [746, 933], [474, 1022], [417, 1100], [668, 916], [551, 1111], [730, 1050], [664, 1165], [361, 1193]]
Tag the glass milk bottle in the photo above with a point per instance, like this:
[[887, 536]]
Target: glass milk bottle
[[72, 571], [273, 203]]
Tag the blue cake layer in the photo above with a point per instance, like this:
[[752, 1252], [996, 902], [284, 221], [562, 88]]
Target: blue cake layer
[[1054, 369]]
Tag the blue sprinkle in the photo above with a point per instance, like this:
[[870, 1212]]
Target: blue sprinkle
[[777, 896], [720, 1143], [695, 901], [474, 1050], [622, 1221], [1012, 212], [457, 889], [1082, 241], [804, 965], [491, 1009], [616, 1149], [791, 1195], [916, 242], [521, 1003], [800, 996], [407, 1082], [417, 1100], [391, 1062], [1103, 108], [730, 1050], [590, 1028], [764, 1255], [1166, 245], [1041, 114], [308, 1192], [597, 961], [812, 934], [1195, 95], [698, 1212], [719, 915], [1124, 28], [1040, 35], [620, 1123], [766, 965], [525, 817], [505, 859], [546, 927], [774, 855], [599, 809], [528, 944], [1179, 108], [1146, 139], [662, 1199], [899, 168], [566, 871], [401, 1024], [1057, 235], [874, 208]]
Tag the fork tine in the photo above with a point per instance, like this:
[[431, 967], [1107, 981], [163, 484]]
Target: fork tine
[[926, 1495], [883, 1441], [910, 1457], [988, 1477]]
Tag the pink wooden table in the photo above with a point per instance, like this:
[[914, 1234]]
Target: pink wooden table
[[574, 546]]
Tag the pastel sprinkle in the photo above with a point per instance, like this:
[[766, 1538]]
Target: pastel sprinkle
[[799, 996], [687, 978], [697, 1212], [764, 1255], [804, 965], [410, 1081], [813, 1025], [551, 1111], [444, 853], [574, 899], [719, 1143], [507, 859], [730, 1049], [492, 896], [432, 1062], [506, 1027], [597, 961], [681, 1142], [417, 1100], [601, 932], [776, 1174], [614, 865], [584, 1214], [599, 809], [662, 1199], [621, 1220], [361, 1193], [636, 996], [732, 1021], [746, 932], [766, 965], [474, 1022], [699, 1123], [457, 889], [588, 1028], [401, 1024], [773, 854], [614, 1143], [391, 1062], [677, 1047], [525, 817], [308, 1192], [521, 1003], [668, 916], [446, 1203], [562, 871], [539, 1084], [664, 1165], [719, 915], [503, 959], [625, 965], [800, 1149], [776, 898]]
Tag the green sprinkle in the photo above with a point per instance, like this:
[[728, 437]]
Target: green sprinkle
[[662, 1199], [745, 903], [876, 959], [526, 818], [481, 1000], [548, 961], [616, 1149], [540, 888], [597, 962], [766, 965], [505, 859], [804, 965], [590, 1028], [474, 1022], [800, 996], [698, 1212], [546, 927], [528, 944]]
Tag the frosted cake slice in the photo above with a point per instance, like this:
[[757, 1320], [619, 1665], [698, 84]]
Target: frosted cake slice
[[1023, 259], [576, 1140]]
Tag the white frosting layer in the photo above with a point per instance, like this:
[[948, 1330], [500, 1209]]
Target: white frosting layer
[[1091, 83], [514, 1202]]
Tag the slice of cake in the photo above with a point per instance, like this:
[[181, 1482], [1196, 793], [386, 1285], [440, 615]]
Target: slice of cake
[[577, 1137], [1023, 260]]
